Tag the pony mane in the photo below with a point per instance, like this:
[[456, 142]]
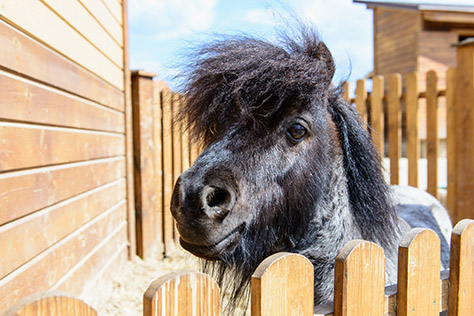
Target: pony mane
[[247, 80], [369, 193]]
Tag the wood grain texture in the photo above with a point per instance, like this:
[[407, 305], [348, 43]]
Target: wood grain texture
[[394, 126], [27, 146], [106, 19], [432, 143], [418, 274], [128, 134], [377, 115], [25, 192], [451, 137], [33, 234], [361, 99], [359, 279], [461, 276], [283, 285], [395, 41], [465, 132], [26, 101], [148, 215], [45, 270], [105, 260], [166, 107], [83, 23], [26, 56], [413, 141], [59, 35], [51, 303], [184, 294]]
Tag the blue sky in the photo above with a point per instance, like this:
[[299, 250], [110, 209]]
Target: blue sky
[[161, 30]]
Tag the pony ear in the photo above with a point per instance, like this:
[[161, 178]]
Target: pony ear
[[324, 55], [368, 192]]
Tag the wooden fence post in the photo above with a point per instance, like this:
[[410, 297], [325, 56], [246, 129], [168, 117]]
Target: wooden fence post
[[148, 217], [168, 222], [432, 144], [451, 131], [394, 126], [461, 272], [282, 285], [51, 303], [465, 131], [183, 294], [418, 274], [377, 116], [359, 279], [413, 142], [361, 99]]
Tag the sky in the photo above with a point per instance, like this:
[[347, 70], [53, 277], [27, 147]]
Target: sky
[[162, 31]]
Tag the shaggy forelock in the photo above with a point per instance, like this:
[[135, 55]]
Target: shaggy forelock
[[247, 80]]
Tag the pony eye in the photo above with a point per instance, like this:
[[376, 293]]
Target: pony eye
[[297, 132]]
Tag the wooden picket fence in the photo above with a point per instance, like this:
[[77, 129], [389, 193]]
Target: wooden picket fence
[[382, 110], [397, 111], [282, 285]]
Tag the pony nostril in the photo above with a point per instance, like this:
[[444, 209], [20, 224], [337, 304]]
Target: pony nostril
[[217, 202], [217, 197]]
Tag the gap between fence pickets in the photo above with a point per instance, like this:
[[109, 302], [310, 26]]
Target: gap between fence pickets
[[390, 303]]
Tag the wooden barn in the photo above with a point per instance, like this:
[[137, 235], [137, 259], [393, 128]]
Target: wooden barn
[[66, 208], [412, 37], [417, 37]]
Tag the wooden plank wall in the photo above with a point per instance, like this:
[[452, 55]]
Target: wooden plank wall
[[395, 38], [63, 165]]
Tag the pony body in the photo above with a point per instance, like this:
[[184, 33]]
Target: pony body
[[287, 164]]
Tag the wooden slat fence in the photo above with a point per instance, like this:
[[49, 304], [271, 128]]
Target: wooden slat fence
[[162, 151], [396, 120], [282, 285]]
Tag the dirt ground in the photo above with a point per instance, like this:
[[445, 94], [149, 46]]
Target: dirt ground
[[125, 291]]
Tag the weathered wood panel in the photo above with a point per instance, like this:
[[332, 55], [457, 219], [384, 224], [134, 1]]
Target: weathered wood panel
[[26, 101], [418, 274], [377, 115], [33, 234], [413, 141], [51, 303], [25, 192], [432, 142], [395, 38], [461, 276], [184, 294], [41, 273], [281, 285], [26, 146], [61, 37], [394, 126], [147, 177], [106, 19], [23, 55], [83, 22], [359, 279]]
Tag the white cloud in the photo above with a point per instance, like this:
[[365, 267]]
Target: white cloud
[[166, 19]]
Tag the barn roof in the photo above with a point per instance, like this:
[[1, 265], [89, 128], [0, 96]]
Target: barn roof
[[419, 6]]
